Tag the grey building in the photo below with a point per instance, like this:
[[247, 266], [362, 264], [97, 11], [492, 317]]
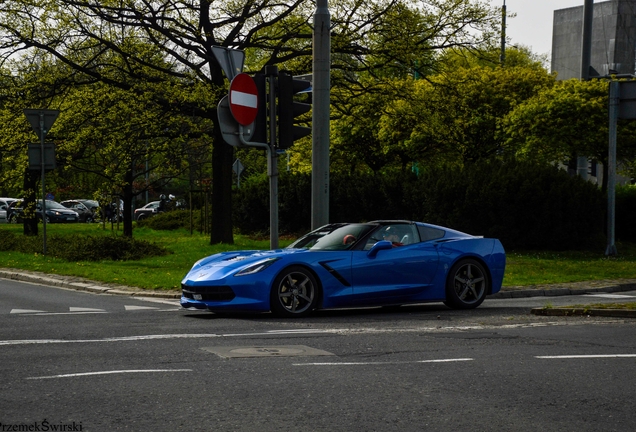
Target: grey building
[[613, 39]]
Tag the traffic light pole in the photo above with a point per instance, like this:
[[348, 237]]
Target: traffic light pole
[[272, 158], [271, 73]]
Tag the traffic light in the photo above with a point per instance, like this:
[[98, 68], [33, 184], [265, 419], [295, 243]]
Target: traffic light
[[289, 109], [260, 124]]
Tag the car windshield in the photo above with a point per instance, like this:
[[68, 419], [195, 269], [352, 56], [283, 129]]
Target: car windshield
[[341, 238]]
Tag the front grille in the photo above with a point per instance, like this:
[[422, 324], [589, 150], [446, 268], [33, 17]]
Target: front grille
[[208, 293]]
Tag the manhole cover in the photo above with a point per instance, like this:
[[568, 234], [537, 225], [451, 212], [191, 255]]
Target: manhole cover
[[266, 351]]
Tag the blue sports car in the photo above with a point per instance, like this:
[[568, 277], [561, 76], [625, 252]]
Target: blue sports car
[[379, 263]]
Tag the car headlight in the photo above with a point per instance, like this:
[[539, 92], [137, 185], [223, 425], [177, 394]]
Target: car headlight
[[256, 267]]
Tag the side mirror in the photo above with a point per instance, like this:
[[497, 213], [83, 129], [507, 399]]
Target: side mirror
[[381, 245]]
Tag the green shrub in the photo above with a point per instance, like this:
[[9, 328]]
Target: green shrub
[[77, 247], [171, 220]]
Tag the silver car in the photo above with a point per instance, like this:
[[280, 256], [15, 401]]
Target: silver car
[[4, 206]]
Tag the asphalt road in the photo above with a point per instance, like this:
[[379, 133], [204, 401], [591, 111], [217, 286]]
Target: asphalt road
[[79, 361]]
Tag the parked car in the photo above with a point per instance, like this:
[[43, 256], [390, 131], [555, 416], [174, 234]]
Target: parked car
[[4, 207], [380, 263], [55, 212], [146, 211], [86, 214]]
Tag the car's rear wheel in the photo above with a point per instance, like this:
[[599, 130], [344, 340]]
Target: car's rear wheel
[[467, 285], [294, 292]]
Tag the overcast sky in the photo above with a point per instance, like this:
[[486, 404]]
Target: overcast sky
[[532, 26]]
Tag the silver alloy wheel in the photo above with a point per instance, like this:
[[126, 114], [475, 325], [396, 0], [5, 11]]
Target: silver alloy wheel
[[469, 283], [296, 292]]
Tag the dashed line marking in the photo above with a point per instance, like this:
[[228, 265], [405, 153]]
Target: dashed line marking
[[587, 356], [382, 363]]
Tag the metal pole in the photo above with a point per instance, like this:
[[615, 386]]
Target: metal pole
[[320, 120], [586, 44], [42, 135], [614, 101], [502, 56], [272, 162]]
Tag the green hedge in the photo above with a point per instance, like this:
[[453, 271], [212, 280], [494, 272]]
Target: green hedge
[[525, 205], [79, 247]]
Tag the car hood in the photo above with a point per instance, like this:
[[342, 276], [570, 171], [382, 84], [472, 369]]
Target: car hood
[[225, 263], [63, 211]]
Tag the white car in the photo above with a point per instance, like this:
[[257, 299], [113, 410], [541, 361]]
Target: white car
[[4, 206]]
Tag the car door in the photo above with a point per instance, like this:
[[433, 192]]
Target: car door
[[3, 211], [398, 274]]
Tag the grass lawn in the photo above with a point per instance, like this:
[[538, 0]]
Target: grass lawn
[[166, 272]]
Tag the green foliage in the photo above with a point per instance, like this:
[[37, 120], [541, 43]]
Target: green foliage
[[525, 205], [80, 247], [171, 220]]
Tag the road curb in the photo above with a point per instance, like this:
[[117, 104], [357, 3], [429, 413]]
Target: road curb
[[616, 313], [80, 284], [552, 292]]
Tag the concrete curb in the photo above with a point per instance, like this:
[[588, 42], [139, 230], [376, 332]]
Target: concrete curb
[[616, 313], [80, 284], [561, 291]]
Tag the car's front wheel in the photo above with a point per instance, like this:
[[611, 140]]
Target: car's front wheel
[[467, 285], [294, 292]]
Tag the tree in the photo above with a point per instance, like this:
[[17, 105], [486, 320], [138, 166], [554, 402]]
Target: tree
[[568, 119], [84, 34]]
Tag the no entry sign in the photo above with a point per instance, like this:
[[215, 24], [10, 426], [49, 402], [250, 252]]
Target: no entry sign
[[243, 99]]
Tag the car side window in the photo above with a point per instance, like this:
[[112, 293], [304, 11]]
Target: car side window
[[430, 233], [397, 234]]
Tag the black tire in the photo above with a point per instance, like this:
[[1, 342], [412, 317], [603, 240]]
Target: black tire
[[467, 285], [89, 219], [294, 293]]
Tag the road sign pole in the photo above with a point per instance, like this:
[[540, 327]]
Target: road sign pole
[[41, 122], [614, 106], [43, 184]]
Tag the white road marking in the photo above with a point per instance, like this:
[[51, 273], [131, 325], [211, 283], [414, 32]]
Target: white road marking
[[127, 307], [587, 356], [109, 373], [382, 363], [612, 296], [71, 313], [81, 309], [340, 331], [22, 311]]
